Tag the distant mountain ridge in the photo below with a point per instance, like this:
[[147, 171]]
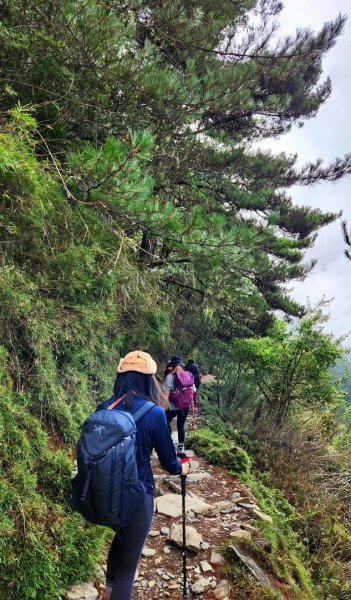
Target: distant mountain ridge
[[342, 369]]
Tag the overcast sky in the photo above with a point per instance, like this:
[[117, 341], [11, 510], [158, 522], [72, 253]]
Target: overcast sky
[[326, 136]]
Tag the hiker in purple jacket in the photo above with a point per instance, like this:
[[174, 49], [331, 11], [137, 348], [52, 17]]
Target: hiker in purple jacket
[[173, 411], [193, 368]]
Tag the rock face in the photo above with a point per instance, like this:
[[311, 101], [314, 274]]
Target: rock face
[[170, 505], [84, 591], [193, 538]]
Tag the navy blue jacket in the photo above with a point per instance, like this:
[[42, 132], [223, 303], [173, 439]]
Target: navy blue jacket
[[152, 433]]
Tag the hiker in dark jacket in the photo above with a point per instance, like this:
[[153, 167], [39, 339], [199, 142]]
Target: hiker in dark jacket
[[135, 384], [168, 369], [193, 368], [173, 411]]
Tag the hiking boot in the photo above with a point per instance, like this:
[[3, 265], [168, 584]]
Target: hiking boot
[[180, 451]]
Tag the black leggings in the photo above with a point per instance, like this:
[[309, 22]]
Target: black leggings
[[125, 552], [181, 415]]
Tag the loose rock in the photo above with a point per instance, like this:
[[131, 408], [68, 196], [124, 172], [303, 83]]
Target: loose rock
[[148, 552], [170, 505], [249, 528], [205, 566], [217, 558], [240, 499], [222, 590], [241, 534], [194, 477], [201, 586], [259, 572], [84, 591], [100, 573], [227, 512], [193, 538], [260, 515]]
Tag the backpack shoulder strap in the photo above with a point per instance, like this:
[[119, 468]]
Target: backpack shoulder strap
[[175, 379], [141, 412], [112, 406]]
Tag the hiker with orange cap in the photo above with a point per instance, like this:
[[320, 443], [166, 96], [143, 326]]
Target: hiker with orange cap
[[135, 385]]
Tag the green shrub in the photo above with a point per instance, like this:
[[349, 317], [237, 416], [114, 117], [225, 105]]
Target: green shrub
[[288, 554], [222, 451], [43, 545]]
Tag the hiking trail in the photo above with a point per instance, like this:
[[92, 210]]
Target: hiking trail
[[218, 508]]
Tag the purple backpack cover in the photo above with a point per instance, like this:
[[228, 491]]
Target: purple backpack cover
[[183, 394]]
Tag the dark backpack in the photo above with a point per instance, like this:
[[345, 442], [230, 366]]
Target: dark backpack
[[194, 369], [106, 489], [183, 394]]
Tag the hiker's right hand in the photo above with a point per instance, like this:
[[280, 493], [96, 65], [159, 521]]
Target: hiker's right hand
[[185, 468]]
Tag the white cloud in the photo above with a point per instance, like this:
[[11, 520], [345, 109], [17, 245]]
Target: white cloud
[[326, 136]]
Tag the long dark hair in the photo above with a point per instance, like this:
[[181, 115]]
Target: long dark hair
[[134, 384]]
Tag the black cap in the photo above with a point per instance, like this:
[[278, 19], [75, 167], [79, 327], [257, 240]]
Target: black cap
[[176, 360]]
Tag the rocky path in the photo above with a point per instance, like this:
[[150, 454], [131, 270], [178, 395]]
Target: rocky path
[[218, 507]]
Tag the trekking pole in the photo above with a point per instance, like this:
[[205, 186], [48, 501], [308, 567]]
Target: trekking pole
[[184, 552]]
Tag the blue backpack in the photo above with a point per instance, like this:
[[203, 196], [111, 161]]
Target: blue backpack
[[106, 489]]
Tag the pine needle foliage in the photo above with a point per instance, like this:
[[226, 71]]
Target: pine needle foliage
[[135, 211]]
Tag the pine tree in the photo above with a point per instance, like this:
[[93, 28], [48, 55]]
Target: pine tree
[[199, 84], [204, 83], [347, 238], [135, 212]]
